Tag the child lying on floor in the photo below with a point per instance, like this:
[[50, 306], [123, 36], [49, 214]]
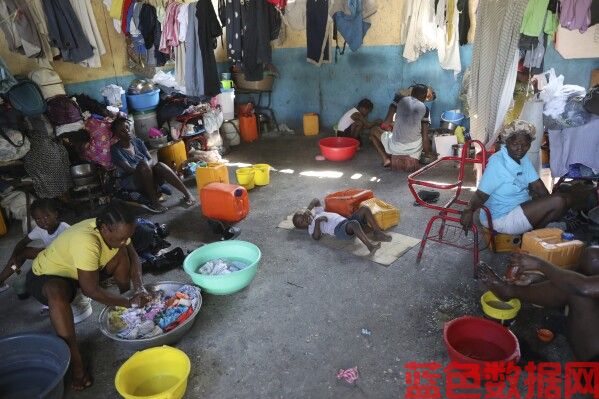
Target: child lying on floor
[[319, 222]]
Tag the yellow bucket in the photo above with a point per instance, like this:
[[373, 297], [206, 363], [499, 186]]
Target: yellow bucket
[[245, 177], [155, 373], [262, 175], [498, 309]]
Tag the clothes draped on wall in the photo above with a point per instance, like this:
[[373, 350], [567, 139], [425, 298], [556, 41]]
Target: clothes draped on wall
[[448, 44], [493, 70], [51, 28], [194, 68], [352, 25], [209, 30]]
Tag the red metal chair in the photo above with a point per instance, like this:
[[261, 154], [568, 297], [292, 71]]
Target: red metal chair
[[450, 234]]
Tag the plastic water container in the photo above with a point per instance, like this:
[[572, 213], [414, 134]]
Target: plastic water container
[[226, 99], [311, 124], [212, 173], [174, 153], [549, 245], [248, 127], [224, 202], [346, 202]]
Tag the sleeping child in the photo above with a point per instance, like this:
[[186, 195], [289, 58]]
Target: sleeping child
[[319, 222]]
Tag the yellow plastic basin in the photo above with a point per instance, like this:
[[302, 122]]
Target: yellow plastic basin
[[498, 309], [155, 373]]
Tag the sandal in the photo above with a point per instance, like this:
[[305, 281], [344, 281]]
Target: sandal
[[188, 202]]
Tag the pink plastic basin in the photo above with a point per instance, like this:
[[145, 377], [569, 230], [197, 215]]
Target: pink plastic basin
[[475, 340], [338, 148]]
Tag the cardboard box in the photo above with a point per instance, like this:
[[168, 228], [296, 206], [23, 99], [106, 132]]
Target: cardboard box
[[594, 77], [572, 44]]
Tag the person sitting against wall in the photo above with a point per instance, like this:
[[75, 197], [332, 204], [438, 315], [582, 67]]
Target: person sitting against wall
[[408, 136], [138, 172], [354, 121], [556, 288], [78, 258], [511, 189]]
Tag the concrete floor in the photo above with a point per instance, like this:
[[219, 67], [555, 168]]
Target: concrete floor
[[300, 320]]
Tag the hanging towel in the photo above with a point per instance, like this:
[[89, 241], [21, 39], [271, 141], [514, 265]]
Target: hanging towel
[[233, 12], [352, 27], [318, 31], [421, 30], [66, 32], [209, 30], [262, 23], [194, 69], [85, 12], [448, 46]]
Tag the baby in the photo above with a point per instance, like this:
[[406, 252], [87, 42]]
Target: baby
[[319, 222]]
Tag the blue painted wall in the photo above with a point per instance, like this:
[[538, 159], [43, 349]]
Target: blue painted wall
[[375, 72]]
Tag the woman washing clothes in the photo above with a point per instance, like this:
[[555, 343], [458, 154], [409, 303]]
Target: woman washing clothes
[[76, 259], [137, 171], [512, 190]]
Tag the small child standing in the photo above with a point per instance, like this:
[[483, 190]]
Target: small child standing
[[355, 120], [319, 222]]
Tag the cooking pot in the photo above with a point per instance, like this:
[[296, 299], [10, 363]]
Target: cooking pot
[[83, 170]]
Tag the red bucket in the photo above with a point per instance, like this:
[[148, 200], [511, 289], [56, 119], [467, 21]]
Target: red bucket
[[338, 148], [476, 340]]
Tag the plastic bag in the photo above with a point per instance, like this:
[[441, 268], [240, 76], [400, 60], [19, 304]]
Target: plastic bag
[[573, 115], [13, 145]]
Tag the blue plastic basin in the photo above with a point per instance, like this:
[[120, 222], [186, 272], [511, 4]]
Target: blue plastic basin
[[453, 116], [225, 284], [33, 366], [145, 101]]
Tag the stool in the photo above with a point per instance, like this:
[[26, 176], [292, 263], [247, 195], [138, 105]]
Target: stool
[[502, 242]]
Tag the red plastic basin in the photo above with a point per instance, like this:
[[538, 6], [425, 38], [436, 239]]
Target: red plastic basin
[[476, 340], [338, 148]]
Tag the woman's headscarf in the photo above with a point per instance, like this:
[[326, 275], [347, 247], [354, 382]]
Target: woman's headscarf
[[517, 126]]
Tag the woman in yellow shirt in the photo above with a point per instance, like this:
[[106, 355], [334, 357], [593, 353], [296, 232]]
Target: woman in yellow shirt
[[75, 260]]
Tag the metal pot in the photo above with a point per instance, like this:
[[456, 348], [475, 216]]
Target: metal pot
[[84, 181], [450, 126], [83, 170]]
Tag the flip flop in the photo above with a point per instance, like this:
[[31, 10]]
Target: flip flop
[[188, 202]]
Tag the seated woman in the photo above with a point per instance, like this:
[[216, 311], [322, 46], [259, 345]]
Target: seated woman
[[407, 138], [137, 171], [76, 259], [512, 190]]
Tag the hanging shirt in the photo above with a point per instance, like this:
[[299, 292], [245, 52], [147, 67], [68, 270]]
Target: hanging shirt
[[85, 13], [182, 19], [534, 17], [209, 30], [575, 14], [20, 29]]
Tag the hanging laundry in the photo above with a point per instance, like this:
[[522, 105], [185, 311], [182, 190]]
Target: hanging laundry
[[20, 29], [319, 27], [37, 12], [209, 30], [85, 13], [170, 35], [575, 14], [421, 30], [194, 69], [116, 22], [66, 32], [352, 27], [464, 21], [147, 24], [124, 15], [232, 15], [182, 19], [261, 23], [534, 17], [279, 4], [448, 46], [493, 69]]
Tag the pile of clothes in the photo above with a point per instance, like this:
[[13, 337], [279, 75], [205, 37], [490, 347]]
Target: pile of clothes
[[163, 314], [221, 266]]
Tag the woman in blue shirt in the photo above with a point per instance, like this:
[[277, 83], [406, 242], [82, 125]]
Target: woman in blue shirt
[[137, 171], [512, 190]]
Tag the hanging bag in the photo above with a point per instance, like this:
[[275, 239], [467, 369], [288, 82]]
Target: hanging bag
[[26, 97], [14, 145]]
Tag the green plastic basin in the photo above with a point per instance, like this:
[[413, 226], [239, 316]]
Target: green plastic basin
[[225, 284]]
